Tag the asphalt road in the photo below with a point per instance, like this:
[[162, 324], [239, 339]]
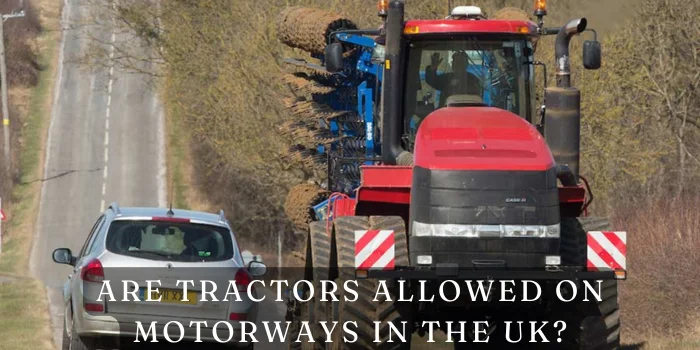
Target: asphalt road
[[106, 143]]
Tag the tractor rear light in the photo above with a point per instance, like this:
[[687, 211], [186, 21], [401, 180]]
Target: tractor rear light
[[93, 272], [523, 29], [552, 260], [411, 30], [541, 6], [382, 7], [620, 274], [360, 274], [424, 259], [420, 229]]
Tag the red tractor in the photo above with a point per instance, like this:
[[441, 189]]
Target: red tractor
[[461, 177]]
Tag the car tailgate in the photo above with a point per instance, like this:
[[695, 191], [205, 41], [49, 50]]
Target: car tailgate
[[203, 275]]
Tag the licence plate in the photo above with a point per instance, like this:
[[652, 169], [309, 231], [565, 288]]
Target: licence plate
[[173, 296]]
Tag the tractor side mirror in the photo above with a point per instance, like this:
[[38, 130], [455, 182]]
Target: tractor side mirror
[[257, 268], [592, 55], [334, 57]]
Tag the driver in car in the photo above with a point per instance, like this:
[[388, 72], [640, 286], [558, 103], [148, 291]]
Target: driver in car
[[458, 82]]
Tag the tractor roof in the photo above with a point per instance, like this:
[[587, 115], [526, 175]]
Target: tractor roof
[[447, 26]]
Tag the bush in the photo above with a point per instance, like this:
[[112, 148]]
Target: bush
[[20, 44], [660, 295]]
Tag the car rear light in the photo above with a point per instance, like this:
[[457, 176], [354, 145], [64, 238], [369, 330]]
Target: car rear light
[[237, 317], [93, 272], [94, 307], [169, 219], [242, 279]]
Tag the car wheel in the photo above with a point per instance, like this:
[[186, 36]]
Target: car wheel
[[77, 342]]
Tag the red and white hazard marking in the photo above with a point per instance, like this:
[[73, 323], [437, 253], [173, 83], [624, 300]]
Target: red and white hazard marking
[[374, 249], [607, 250]]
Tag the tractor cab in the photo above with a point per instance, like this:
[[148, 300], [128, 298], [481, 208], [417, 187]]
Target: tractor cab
[[466, 61]]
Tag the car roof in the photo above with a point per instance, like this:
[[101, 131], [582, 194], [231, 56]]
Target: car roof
[[126, 212]]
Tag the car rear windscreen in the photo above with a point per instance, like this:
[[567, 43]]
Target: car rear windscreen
[[170, 241]]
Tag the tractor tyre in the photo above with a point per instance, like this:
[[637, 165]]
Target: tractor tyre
[[573, 246], [365, 311], [318, 261], [596, 323]]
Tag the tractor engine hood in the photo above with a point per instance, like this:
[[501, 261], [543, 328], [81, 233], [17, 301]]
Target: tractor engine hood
[[483, 191], [480, 138]]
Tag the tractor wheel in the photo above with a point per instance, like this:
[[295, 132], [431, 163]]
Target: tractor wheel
[[573, 238], [318, 261], [365, 311], [598, 321], [601, 330]]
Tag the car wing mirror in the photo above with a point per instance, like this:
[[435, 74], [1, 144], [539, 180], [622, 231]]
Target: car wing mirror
[[257, 268], [64, 256]]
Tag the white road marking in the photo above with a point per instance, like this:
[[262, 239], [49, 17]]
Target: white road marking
[[107, 113]]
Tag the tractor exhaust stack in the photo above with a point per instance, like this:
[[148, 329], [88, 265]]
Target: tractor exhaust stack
[[392, 87], [561, 50], [563, 111]]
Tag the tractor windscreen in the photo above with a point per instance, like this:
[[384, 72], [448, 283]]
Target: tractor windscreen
[[467, 71]]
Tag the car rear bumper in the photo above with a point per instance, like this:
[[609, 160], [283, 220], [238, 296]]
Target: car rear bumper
[[126, 327]]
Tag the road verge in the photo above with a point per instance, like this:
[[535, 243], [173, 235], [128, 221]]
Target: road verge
[[25, 319]]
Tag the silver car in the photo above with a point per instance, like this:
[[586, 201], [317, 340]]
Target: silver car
[[128, 247]]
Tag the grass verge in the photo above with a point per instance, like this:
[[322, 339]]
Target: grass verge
[[177, 143], [25, 320]]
